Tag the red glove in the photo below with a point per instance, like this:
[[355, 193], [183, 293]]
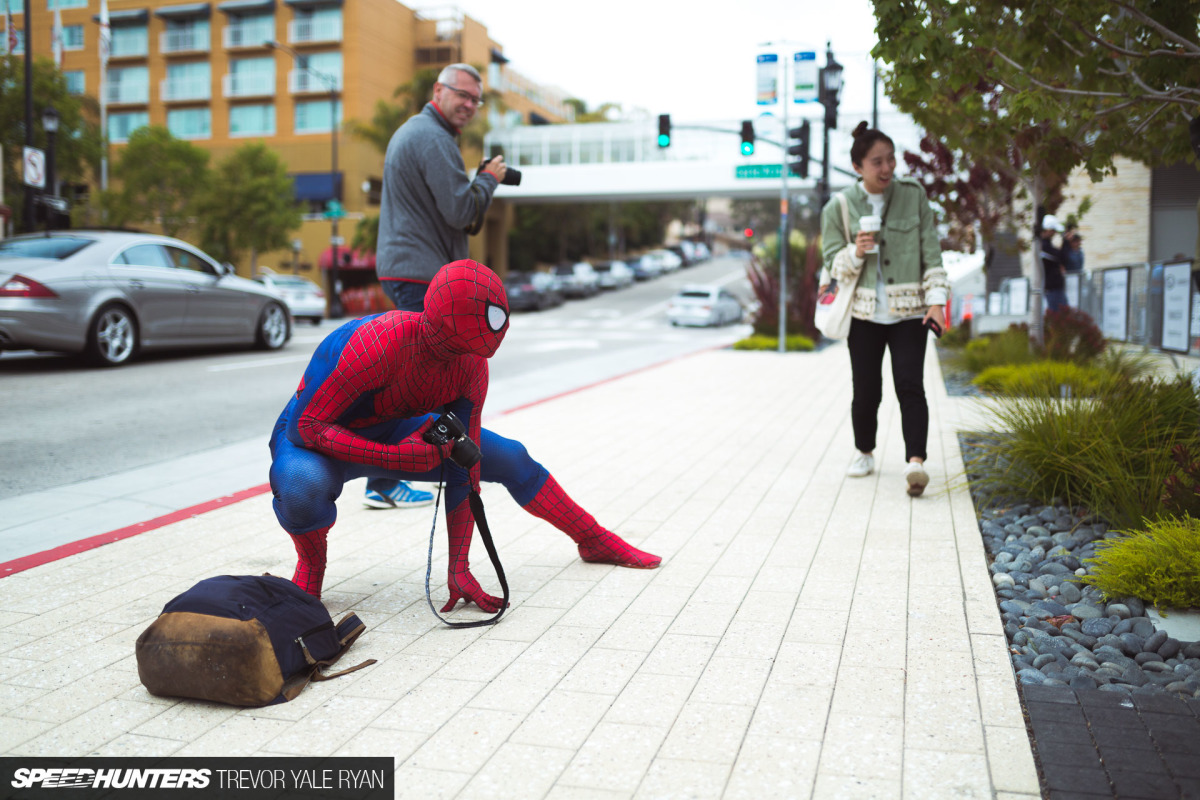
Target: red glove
[[459, 580]]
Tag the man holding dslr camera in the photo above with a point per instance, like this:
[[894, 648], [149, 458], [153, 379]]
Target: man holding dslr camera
[[429, 208]]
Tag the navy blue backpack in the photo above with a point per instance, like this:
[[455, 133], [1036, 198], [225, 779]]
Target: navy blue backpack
[[246, 640]]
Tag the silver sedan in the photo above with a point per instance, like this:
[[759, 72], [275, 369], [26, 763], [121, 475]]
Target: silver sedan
[[110, 295]]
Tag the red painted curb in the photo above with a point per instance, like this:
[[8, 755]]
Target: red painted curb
[[83, 545], [92, 542]]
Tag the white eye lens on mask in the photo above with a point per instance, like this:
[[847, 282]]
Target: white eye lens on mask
[[496, 317]]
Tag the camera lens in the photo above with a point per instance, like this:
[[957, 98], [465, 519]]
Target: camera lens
[[512, 177]]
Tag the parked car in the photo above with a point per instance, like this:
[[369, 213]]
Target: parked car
[[704, 305], [613, 274], [702, 251], [578, 279], [646, 266], [663, 260], [110, 295], [685, 260], [303, 297], [531, 291]]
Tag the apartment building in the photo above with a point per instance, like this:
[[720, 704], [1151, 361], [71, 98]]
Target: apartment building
[[204, 70]]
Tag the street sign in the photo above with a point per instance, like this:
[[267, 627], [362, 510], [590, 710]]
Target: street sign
[[752, 171], [35, 168], [337, 241], [767, 84], [334, 210]]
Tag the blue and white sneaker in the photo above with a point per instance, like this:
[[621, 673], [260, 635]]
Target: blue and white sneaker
[[402, 496]]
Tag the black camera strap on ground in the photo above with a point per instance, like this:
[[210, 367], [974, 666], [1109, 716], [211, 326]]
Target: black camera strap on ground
[[476, 503]]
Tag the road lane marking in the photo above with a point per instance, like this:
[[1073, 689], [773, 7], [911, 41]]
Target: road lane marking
[[261, 362]]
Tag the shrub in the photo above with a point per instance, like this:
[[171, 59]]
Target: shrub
[[1072, 335], [793, 344], [1042, 379], [1110, 453], [1181, 491], [1009, 347], [1126, 363], [1160, 565], [956, 338], [804, 264]]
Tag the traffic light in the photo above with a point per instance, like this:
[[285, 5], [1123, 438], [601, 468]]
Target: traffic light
[[800, 148], [747, 137], [748, 233], [664, 130]]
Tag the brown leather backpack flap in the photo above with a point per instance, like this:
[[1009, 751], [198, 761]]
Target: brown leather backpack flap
[[183, 654]]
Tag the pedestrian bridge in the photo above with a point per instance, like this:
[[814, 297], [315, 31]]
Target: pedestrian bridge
[[615, 161]]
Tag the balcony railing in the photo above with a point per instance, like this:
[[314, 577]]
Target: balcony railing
[[301, 31], [184, 41], [128, 92], [185, 89], [129, 48], [246, 35], [301, 81], [254, 85]]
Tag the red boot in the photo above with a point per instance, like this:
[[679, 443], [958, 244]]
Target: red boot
[[596, 545], [310, 560]]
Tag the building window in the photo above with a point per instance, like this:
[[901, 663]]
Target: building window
[[72, 37], [76, 82], [313, 116], [249, 77], [185, 36], [328, 65], [64, 4], [249, 31], [434, 55], [129, 41], [188, 81], [256, 120], [316, 25], [128, 85], [122, 124], [190, 123]]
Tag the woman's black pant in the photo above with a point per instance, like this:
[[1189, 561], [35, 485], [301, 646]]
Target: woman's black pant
[[906, 341]]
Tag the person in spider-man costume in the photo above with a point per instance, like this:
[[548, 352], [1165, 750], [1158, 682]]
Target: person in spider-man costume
[[367, 397]]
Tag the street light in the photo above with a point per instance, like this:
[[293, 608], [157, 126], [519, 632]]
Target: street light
[[50, 126], [828, 90], [334, 210]]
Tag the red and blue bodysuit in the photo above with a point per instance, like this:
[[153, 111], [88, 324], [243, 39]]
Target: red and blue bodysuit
[[367, 396]]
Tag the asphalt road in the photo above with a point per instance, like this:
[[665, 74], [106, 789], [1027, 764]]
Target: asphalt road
[[65, 422]]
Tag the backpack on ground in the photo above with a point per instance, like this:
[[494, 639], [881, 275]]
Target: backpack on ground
[[245, 640]]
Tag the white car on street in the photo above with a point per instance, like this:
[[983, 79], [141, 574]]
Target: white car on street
[[303, 297], [613, 274], [704, 304]]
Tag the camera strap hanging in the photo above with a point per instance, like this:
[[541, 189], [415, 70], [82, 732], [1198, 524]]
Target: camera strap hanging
[[476, 503]]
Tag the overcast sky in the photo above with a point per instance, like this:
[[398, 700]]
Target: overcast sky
[[691, 60]]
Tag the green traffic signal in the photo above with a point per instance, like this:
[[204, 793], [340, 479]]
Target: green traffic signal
[[747, 138], [664, 140], [664, 130], [747, 148]]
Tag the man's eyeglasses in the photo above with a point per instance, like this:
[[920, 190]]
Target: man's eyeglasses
[[467, 96]]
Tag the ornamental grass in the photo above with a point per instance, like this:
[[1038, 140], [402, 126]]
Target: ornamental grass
[[1160, 565]]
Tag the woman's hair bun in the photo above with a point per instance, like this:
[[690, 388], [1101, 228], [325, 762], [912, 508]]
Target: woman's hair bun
[[860, 129]]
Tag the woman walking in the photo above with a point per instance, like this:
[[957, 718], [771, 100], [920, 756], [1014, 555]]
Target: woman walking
[[900, 293]]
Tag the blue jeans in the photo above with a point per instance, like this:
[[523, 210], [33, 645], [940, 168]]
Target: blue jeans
[[1056, 299]]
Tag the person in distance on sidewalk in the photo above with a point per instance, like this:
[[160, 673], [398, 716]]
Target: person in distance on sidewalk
[[366, 400], [901, 289]]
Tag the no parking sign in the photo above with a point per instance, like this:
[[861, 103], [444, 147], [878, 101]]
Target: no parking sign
[[35, 168]]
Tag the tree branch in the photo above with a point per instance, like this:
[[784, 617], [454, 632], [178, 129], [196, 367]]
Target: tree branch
[[1152, 94], [1117, 48], [1166, 32]]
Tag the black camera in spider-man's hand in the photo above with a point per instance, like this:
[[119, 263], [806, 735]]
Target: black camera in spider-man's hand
[[448, 428]]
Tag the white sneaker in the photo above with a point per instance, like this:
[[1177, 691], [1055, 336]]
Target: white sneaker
[[862, 466], [916, 477]]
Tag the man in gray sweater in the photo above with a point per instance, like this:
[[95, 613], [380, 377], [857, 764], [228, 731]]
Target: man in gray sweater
[[429, 208]]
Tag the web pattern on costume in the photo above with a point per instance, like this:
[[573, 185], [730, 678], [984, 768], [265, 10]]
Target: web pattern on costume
[[596, 543], [311, 555]]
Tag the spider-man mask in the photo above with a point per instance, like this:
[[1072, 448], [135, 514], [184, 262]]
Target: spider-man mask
[[466, 311]]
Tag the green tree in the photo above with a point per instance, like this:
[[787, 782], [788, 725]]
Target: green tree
[[1045, 88], [162, 180], [77, 145], [249, 205]]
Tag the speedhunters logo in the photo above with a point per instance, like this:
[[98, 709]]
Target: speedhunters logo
[[218, 778], [72, 778]]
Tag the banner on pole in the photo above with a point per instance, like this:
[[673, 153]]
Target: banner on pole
[[804, 77], [768, 79]]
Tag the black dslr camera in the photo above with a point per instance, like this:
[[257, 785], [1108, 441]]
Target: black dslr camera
[[448, 428], [512, 176]]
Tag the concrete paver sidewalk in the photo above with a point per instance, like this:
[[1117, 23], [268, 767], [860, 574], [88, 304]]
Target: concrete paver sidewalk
[[807, 634]]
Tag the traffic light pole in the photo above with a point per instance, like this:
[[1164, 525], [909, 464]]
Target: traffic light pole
[[783, 215]]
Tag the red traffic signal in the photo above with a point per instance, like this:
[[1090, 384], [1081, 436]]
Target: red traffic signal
[[749, 232]]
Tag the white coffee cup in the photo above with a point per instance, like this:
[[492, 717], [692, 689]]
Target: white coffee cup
[[871, 224]]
